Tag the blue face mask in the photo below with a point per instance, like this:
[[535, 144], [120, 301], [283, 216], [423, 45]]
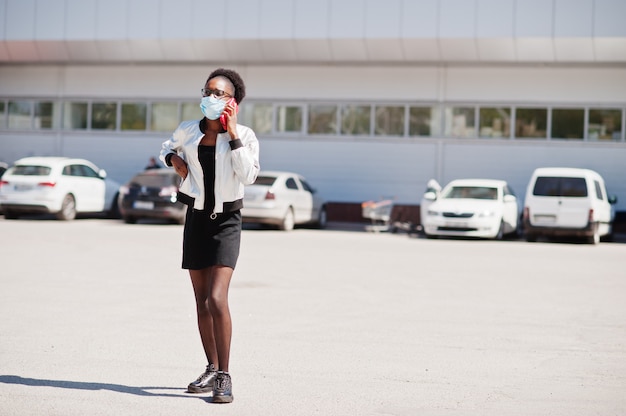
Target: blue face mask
[[212, 107]]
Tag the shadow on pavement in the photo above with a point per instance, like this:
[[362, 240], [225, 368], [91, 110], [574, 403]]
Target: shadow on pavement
[[78, 385]]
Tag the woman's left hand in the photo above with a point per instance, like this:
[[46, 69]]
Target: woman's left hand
[[231, 117]]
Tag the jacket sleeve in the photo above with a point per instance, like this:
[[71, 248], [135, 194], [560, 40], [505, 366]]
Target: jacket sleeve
[[245, 156], [172, 146]]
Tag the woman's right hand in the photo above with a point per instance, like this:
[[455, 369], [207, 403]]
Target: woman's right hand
[[180, 166]]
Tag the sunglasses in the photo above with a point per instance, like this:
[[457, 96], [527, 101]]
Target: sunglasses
[[217, 93]]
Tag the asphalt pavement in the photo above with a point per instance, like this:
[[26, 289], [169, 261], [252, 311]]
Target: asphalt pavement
[[98, 319]]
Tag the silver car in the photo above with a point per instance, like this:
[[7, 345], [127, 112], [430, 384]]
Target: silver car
[[283, 199]]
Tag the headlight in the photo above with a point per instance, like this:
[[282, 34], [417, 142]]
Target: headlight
[[432, 213], [486, 214]]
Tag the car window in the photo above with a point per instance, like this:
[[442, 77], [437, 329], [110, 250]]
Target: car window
[[265, 180], [31, 170], [598, 190], [154, 181], [471, 192], [291, 183], [89, 172], [560, 186], [306, 186]]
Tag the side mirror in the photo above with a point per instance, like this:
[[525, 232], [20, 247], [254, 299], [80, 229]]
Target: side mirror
[[102, 173], [613, 199], [510, 198], [430, 196]]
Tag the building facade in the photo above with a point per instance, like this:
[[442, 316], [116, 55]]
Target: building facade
[[367, 99]]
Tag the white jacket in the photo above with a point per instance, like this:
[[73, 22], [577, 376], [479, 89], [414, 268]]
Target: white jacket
[[233, 168]]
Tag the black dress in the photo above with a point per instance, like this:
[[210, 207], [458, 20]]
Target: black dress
[[210, 242]]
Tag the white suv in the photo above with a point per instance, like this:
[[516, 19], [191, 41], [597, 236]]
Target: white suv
[[567, 202], [57, 185]]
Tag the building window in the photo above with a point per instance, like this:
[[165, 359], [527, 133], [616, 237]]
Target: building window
[[323, 119], [531, 123], [288, 119], [389, 121], [47, 115], [191, 111], [424, 121], [605, 124], [459, 122], [163, 116], [495, 122], [20, 114], [3, 123], [258, 116], [134, 116], [568, 123], [104, 116], [355, 119], [75, 116]]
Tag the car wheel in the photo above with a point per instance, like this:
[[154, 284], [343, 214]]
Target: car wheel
[[114, 209], [322, 219], [288, 222], [130, 220], [68, 209], [500, 234], [531, 238]]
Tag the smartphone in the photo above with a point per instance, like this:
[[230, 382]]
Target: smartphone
[[224, 117]]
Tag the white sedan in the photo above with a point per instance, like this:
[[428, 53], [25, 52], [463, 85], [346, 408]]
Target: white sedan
[[283, 199], [484, 208], [57, 185]]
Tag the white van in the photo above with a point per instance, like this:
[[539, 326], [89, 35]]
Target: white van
[[567, 202]]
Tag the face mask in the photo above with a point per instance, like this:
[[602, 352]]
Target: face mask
[[212, 107]]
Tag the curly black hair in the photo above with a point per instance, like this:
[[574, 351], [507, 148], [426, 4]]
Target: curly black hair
[[234, 78]]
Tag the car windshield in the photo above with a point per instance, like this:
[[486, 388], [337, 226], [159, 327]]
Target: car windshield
[[31, 170], [471, 192], [560, 186], [265, 180], [154, 181]]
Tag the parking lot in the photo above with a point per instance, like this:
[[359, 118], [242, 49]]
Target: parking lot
[[99, 319]]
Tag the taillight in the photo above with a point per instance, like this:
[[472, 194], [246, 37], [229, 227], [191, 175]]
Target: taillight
[[2, 183], [47, 184], [526, 213], [270, 195], [591, 215]]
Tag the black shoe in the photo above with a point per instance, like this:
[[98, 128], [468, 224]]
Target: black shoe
[[223, 389], [205, 382]]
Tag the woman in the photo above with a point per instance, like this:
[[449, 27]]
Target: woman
[[215, 157]]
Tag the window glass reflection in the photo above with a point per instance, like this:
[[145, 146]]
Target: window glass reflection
[[389, 121], [568, 123], [605, 124], [2, 115], [323, 119], [104, 116], [47, 115], [459, 121], [355, 119], [191, 111], [424, 121], [495, 122], [163, 116], [134, 116], [75, 116], [288, 119], [530, 123], [258, 116], [19, 114]]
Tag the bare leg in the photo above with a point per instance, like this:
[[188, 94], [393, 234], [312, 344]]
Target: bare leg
[[220, 311], [210, 287], [200, 280]]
